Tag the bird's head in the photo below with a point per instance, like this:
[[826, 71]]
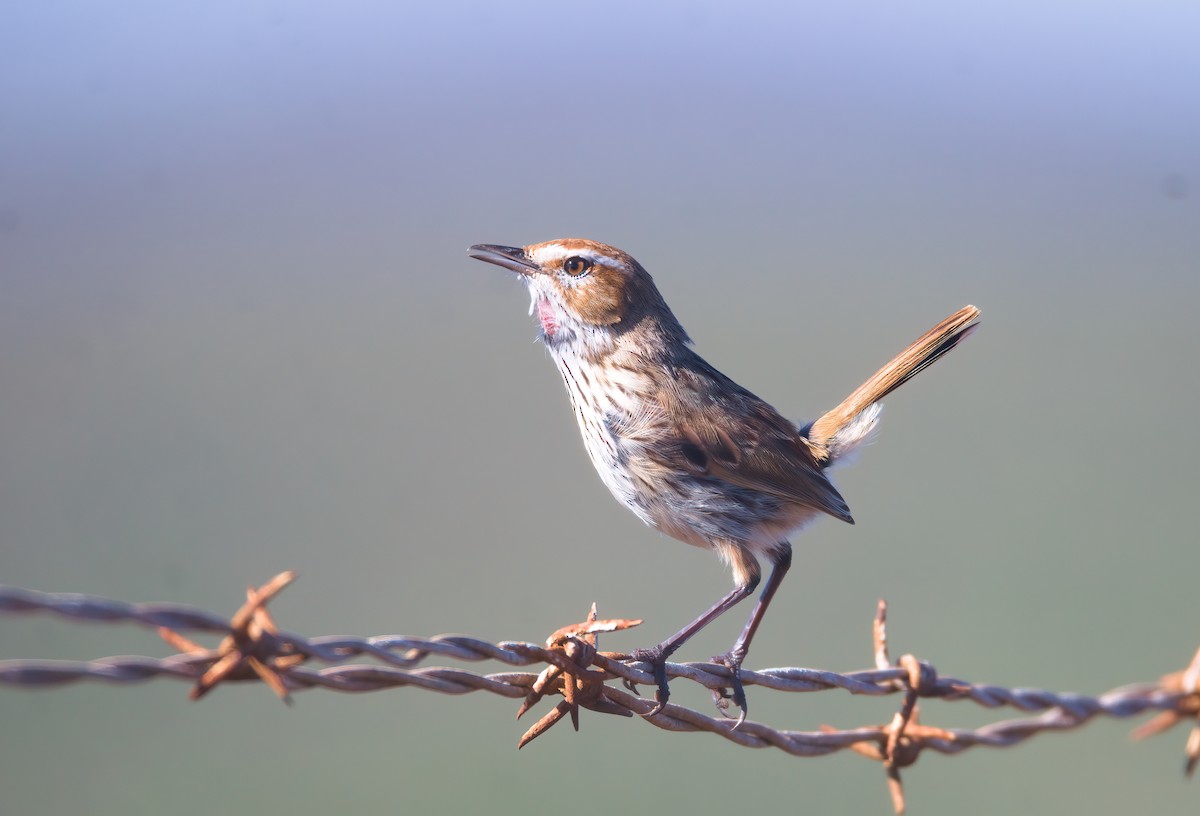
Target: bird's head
[[585, 294]]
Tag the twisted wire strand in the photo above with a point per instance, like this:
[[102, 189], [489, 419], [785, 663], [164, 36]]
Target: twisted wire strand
[[250, 639], [1062, 711], [401, 654]]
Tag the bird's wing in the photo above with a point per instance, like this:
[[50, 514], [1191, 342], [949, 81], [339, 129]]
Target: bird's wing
[[725, 432]]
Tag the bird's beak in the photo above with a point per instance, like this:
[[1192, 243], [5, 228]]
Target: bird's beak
[[513, 258]]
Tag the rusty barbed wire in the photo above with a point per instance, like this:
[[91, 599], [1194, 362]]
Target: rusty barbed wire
[[253, 648]]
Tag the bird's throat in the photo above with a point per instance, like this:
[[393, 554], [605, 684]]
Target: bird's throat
[[546, 316]]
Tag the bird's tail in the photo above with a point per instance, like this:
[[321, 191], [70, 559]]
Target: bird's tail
[[841, 430]]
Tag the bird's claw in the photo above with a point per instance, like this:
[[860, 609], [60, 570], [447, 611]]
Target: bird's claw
[[736, 693], [658, 667]]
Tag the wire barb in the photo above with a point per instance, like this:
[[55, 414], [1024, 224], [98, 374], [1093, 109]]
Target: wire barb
[[250, 648], [253, 649], [570, 651]]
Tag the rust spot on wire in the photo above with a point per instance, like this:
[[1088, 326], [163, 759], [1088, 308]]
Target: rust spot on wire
[[1186, 684], [251, 649], [570, 651]]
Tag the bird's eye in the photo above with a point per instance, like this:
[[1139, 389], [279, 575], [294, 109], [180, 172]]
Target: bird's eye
[[576, 266]]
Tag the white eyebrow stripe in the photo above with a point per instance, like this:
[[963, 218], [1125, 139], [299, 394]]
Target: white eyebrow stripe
[[556, 252]]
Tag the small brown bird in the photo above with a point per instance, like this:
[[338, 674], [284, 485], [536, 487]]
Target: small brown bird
[[688, 450]]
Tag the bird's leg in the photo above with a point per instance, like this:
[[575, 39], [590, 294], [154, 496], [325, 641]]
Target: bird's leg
[[657, 656], [781, 560]]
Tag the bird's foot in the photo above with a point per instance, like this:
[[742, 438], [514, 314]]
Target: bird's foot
[[736, 693], [657, 658]]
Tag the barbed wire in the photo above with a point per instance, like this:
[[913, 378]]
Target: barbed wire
[[254, 649]]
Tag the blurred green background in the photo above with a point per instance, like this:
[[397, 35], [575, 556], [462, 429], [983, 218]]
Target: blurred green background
[[239, 333]]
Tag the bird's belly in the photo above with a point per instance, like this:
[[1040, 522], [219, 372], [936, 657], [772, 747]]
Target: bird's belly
[[706, 512], [611, 455], [698, 510], [611, 439], [620, 434]]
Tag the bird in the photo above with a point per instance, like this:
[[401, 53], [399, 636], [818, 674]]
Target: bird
[[689, 451]]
